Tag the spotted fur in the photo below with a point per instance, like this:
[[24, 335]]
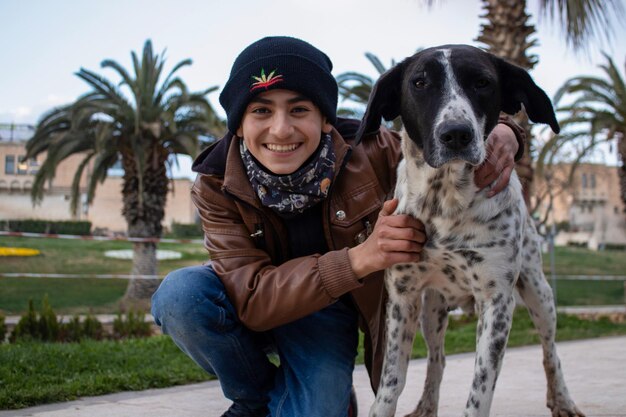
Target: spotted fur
[[479, 249]]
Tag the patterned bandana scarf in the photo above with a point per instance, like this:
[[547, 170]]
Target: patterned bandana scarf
[[289, 195]]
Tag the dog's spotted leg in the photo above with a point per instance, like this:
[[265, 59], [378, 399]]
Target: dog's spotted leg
[[537, 295], [494, 324], [403, 310], [434, 321]]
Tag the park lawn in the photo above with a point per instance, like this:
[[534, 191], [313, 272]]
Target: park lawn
[[33, 373], [461, 332], [84, 295], [589, 293], [76, 295], [38, 373], [580, 261], [65, 256]]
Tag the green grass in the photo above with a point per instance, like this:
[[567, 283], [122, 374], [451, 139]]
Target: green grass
[[66, 295], [589, 293], [66, 256], [72, 296], [461, 333], [40, 373], [579, 261], [76, 295]]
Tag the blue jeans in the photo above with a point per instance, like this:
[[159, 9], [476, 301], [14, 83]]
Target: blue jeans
[[316, 352]]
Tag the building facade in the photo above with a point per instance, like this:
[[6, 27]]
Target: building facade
[[17, 177], [589, 209]]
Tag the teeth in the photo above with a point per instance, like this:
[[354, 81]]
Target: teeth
[[281, 148]]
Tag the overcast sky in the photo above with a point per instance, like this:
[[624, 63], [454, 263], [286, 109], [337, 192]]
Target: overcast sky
[[43, 43]]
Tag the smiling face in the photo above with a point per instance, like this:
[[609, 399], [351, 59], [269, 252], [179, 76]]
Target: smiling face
[[282, 129]]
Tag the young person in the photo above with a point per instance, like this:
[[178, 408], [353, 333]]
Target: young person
[[298, 229]]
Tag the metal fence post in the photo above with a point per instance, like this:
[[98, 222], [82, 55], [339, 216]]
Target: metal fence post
[[552, 267]]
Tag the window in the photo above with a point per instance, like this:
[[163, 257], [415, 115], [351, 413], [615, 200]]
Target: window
[[33, 166], [593, 180], [9, 164], [584, 181], [22, 166]]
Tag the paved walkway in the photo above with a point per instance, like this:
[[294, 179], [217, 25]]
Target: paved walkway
[[595, 371]]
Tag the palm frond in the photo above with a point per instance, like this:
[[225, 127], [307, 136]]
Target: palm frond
[[376, 62], [583, 20], [105, 87], [128, 80], [75, 188]]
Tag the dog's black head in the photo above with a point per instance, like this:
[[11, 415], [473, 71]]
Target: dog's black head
[[450, 97]]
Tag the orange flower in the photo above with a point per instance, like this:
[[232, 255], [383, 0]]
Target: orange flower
[[324, 185]]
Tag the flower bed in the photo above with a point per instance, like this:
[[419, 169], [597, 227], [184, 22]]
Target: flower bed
[[6, 251]]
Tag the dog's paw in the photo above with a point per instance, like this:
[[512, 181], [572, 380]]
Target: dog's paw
[[423, 412], [565, 409]]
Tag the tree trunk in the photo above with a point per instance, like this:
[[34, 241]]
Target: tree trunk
[[140, 289], [621, 149], [144, 209], [507, 35]]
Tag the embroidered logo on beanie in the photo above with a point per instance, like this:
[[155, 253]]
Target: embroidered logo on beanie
[[280, 62], [266, 82]]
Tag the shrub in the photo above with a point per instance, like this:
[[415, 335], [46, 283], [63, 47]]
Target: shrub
[[28, 326], [133, 325], [3, 328], [563, 226], [33, 326], [71, 331], [48, 226], [48, 322], [186, 230], [92, 328], [615, 246], [45, 326], [75, 330]]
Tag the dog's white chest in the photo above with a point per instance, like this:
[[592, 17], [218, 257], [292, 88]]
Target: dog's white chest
[[468, 234]]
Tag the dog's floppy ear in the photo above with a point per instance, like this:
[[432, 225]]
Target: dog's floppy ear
[[384, 101], [517, 87]]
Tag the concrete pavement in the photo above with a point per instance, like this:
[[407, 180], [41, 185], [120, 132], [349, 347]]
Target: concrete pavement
[[595, 371]]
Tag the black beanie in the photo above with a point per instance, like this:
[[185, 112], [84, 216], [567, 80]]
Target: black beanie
[[279, 62]]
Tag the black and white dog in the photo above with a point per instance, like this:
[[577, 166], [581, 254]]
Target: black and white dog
[[479, 250]]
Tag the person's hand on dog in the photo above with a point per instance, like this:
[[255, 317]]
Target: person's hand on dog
[[501, 147], [396, 238]]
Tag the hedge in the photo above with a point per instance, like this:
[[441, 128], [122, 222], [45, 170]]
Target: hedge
[[47, 226], [186, 230]]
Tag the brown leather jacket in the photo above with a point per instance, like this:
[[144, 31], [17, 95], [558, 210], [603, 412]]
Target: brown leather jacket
[[246, 241]]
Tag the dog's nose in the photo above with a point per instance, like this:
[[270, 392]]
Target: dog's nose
[[456, 135]]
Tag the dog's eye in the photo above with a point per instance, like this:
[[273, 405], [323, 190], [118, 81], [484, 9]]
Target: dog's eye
[[482, 83], [420, 83]]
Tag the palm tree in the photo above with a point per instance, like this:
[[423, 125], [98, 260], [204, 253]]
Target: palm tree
[[356, 87], [595, 114], [508, 34], [144, 132]]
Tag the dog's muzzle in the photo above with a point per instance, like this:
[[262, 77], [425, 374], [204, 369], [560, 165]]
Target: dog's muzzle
[[456, 140], [456, 136]]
